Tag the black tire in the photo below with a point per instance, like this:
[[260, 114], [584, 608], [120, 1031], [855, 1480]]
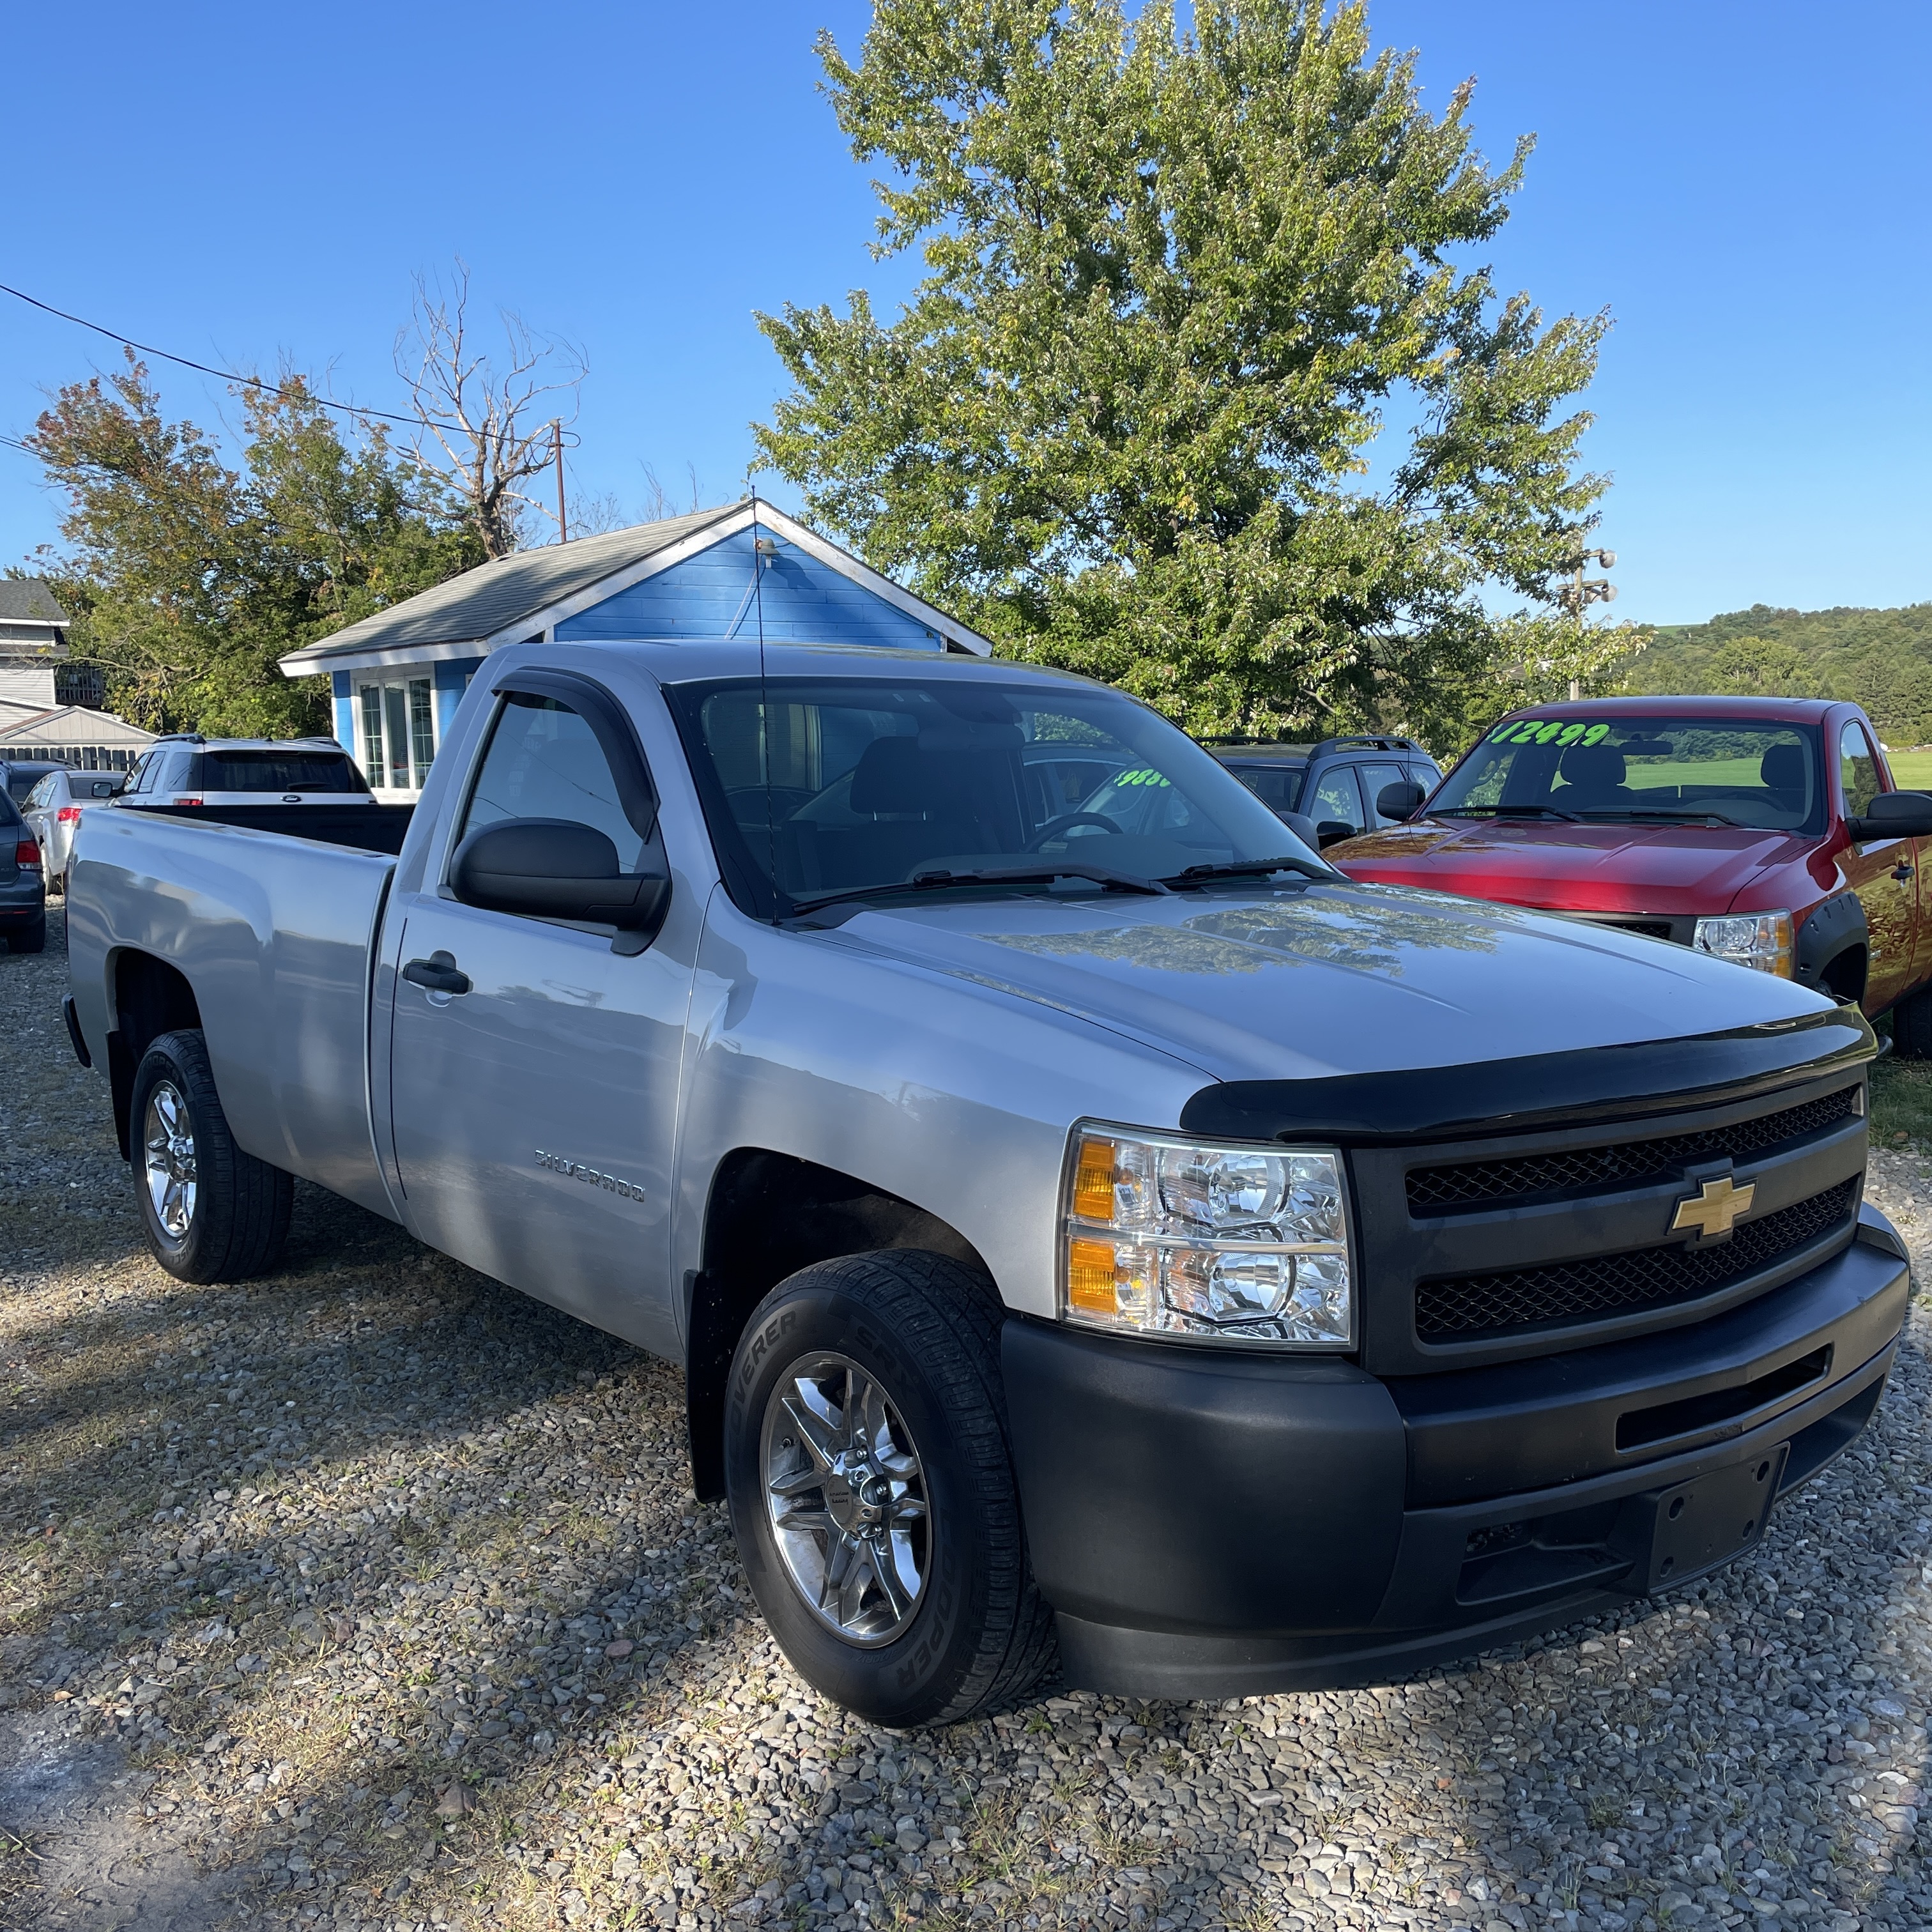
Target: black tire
[[29, 939], [975, 1634], [222, 1215], [1912, 1027]]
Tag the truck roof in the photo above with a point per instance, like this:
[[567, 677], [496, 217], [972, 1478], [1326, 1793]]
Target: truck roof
[[680, 662], [1784, 710]]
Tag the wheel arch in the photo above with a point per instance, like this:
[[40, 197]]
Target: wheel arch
[[150, 997], [767, 1216], [1831, 948]]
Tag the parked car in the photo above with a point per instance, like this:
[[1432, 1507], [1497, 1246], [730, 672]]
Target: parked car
[[1135, 1230], [20, 776], [1766, 831], [53, 807], [23, 892], [187, 769], [1334, 784]]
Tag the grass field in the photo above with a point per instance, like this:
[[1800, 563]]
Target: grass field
[[1912, 769]]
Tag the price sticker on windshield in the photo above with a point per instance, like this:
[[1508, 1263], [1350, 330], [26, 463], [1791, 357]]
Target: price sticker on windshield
[[1548, 731]]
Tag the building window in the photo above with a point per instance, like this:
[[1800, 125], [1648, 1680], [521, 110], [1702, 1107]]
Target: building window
[[398, 728]]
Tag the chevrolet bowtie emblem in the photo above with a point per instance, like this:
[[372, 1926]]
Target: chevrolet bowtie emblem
[[1711, 1211]]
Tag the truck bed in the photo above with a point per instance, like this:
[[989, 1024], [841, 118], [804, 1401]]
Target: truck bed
[[272, 925], [364, 828]]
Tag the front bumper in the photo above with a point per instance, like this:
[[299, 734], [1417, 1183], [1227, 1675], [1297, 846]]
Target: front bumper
[[1213, 1526]]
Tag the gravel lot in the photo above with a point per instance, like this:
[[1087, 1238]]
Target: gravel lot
[[372, 1595]]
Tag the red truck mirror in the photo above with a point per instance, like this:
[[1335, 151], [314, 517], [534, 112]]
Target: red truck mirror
[[1893, 814], [1398, 802]]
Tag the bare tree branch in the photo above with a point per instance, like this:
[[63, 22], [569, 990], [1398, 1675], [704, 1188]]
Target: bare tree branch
[[492, 426]]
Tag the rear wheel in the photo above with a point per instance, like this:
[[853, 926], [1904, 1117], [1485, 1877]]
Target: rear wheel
[[211, 1212], [872, 1489], [1912, 1027], [30, 938]]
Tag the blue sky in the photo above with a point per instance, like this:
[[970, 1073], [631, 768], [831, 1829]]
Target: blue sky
[[1745, 186]]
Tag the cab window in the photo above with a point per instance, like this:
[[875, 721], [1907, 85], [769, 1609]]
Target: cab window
[[544, 761]]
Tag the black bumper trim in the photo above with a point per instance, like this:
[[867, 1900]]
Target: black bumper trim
[[1208, 1525], [73, 1032]]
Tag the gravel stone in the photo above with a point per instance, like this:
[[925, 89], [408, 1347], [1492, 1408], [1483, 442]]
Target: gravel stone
[[372, 1597]]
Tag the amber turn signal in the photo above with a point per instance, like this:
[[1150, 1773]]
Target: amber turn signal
[[1094, 1184], [1090, 1274]]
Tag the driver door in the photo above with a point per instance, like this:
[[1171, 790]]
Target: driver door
[[1884, 873], [534, 1108]]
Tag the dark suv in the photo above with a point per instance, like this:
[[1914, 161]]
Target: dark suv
[[23, 883], [1334, 784]]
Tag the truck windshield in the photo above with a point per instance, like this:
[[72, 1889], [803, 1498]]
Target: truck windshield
[[813, 787], [1742, 771]]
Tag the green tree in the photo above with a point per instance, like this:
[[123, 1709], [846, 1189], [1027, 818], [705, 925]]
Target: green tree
[[1178, 284], [1763, 667], [187, 579]]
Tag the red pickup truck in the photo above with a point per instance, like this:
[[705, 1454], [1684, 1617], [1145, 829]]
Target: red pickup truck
[[1766, 831]]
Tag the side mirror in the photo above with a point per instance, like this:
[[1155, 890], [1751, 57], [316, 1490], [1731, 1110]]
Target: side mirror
[[1304, 828], [556, 869], [1333, 831], [1399, 801], [1893, 815]]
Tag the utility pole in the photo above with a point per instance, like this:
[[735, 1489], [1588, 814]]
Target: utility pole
[[557, 449], [1580, 593]]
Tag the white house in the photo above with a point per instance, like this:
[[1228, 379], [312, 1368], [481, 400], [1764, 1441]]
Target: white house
[[35, 724]]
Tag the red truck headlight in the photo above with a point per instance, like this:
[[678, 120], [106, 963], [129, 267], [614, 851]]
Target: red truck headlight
[[1164, 1236], [1761, 941]]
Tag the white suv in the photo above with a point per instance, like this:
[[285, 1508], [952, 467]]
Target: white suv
[[190, 769]]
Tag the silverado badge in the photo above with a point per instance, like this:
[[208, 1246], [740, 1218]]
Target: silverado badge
[[1713, 1209]]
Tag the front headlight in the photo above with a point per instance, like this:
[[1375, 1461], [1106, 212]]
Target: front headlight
[[1247, 1244], [1760, 939]]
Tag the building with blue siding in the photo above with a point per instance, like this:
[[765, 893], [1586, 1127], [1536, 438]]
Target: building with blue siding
[[398, 676]]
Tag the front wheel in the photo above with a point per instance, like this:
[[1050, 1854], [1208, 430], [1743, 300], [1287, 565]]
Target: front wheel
[[872, 1491], [211, 1212]]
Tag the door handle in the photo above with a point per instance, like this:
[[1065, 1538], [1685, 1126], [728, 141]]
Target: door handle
[[1901, 871], [439, 973]]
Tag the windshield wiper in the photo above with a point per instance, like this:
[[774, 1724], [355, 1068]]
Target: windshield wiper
[[990, 875], [1236, 869], [1501, 812], [1687, 812]]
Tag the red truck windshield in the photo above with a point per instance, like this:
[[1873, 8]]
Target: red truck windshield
[[1742, 771]]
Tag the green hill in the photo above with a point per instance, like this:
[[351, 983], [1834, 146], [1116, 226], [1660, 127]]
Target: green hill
[[1882, 659]]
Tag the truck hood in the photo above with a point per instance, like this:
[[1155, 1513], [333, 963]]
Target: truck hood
[[1334, 979], [1659, 869]]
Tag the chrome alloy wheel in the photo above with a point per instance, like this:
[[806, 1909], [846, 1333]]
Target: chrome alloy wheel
[[847, 1498], [168, 1139]]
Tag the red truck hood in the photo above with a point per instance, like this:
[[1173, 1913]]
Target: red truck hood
[[1661, 868]]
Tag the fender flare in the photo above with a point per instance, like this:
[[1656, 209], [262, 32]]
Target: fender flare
[[1830, 929]]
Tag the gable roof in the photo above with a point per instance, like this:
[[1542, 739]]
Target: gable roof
[[515, 598], [27, 600]]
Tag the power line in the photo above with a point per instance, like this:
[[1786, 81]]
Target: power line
[[204, 368]]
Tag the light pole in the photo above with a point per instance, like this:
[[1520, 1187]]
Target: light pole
[[1580, 593]]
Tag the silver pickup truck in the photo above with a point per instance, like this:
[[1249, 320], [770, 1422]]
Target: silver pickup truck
[[1083, 1216]]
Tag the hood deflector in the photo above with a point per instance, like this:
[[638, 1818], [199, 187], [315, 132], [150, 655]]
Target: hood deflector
[[1502, 1096]]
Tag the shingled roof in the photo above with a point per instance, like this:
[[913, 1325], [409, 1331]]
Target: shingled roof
[[515, 598], [27, 600]]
